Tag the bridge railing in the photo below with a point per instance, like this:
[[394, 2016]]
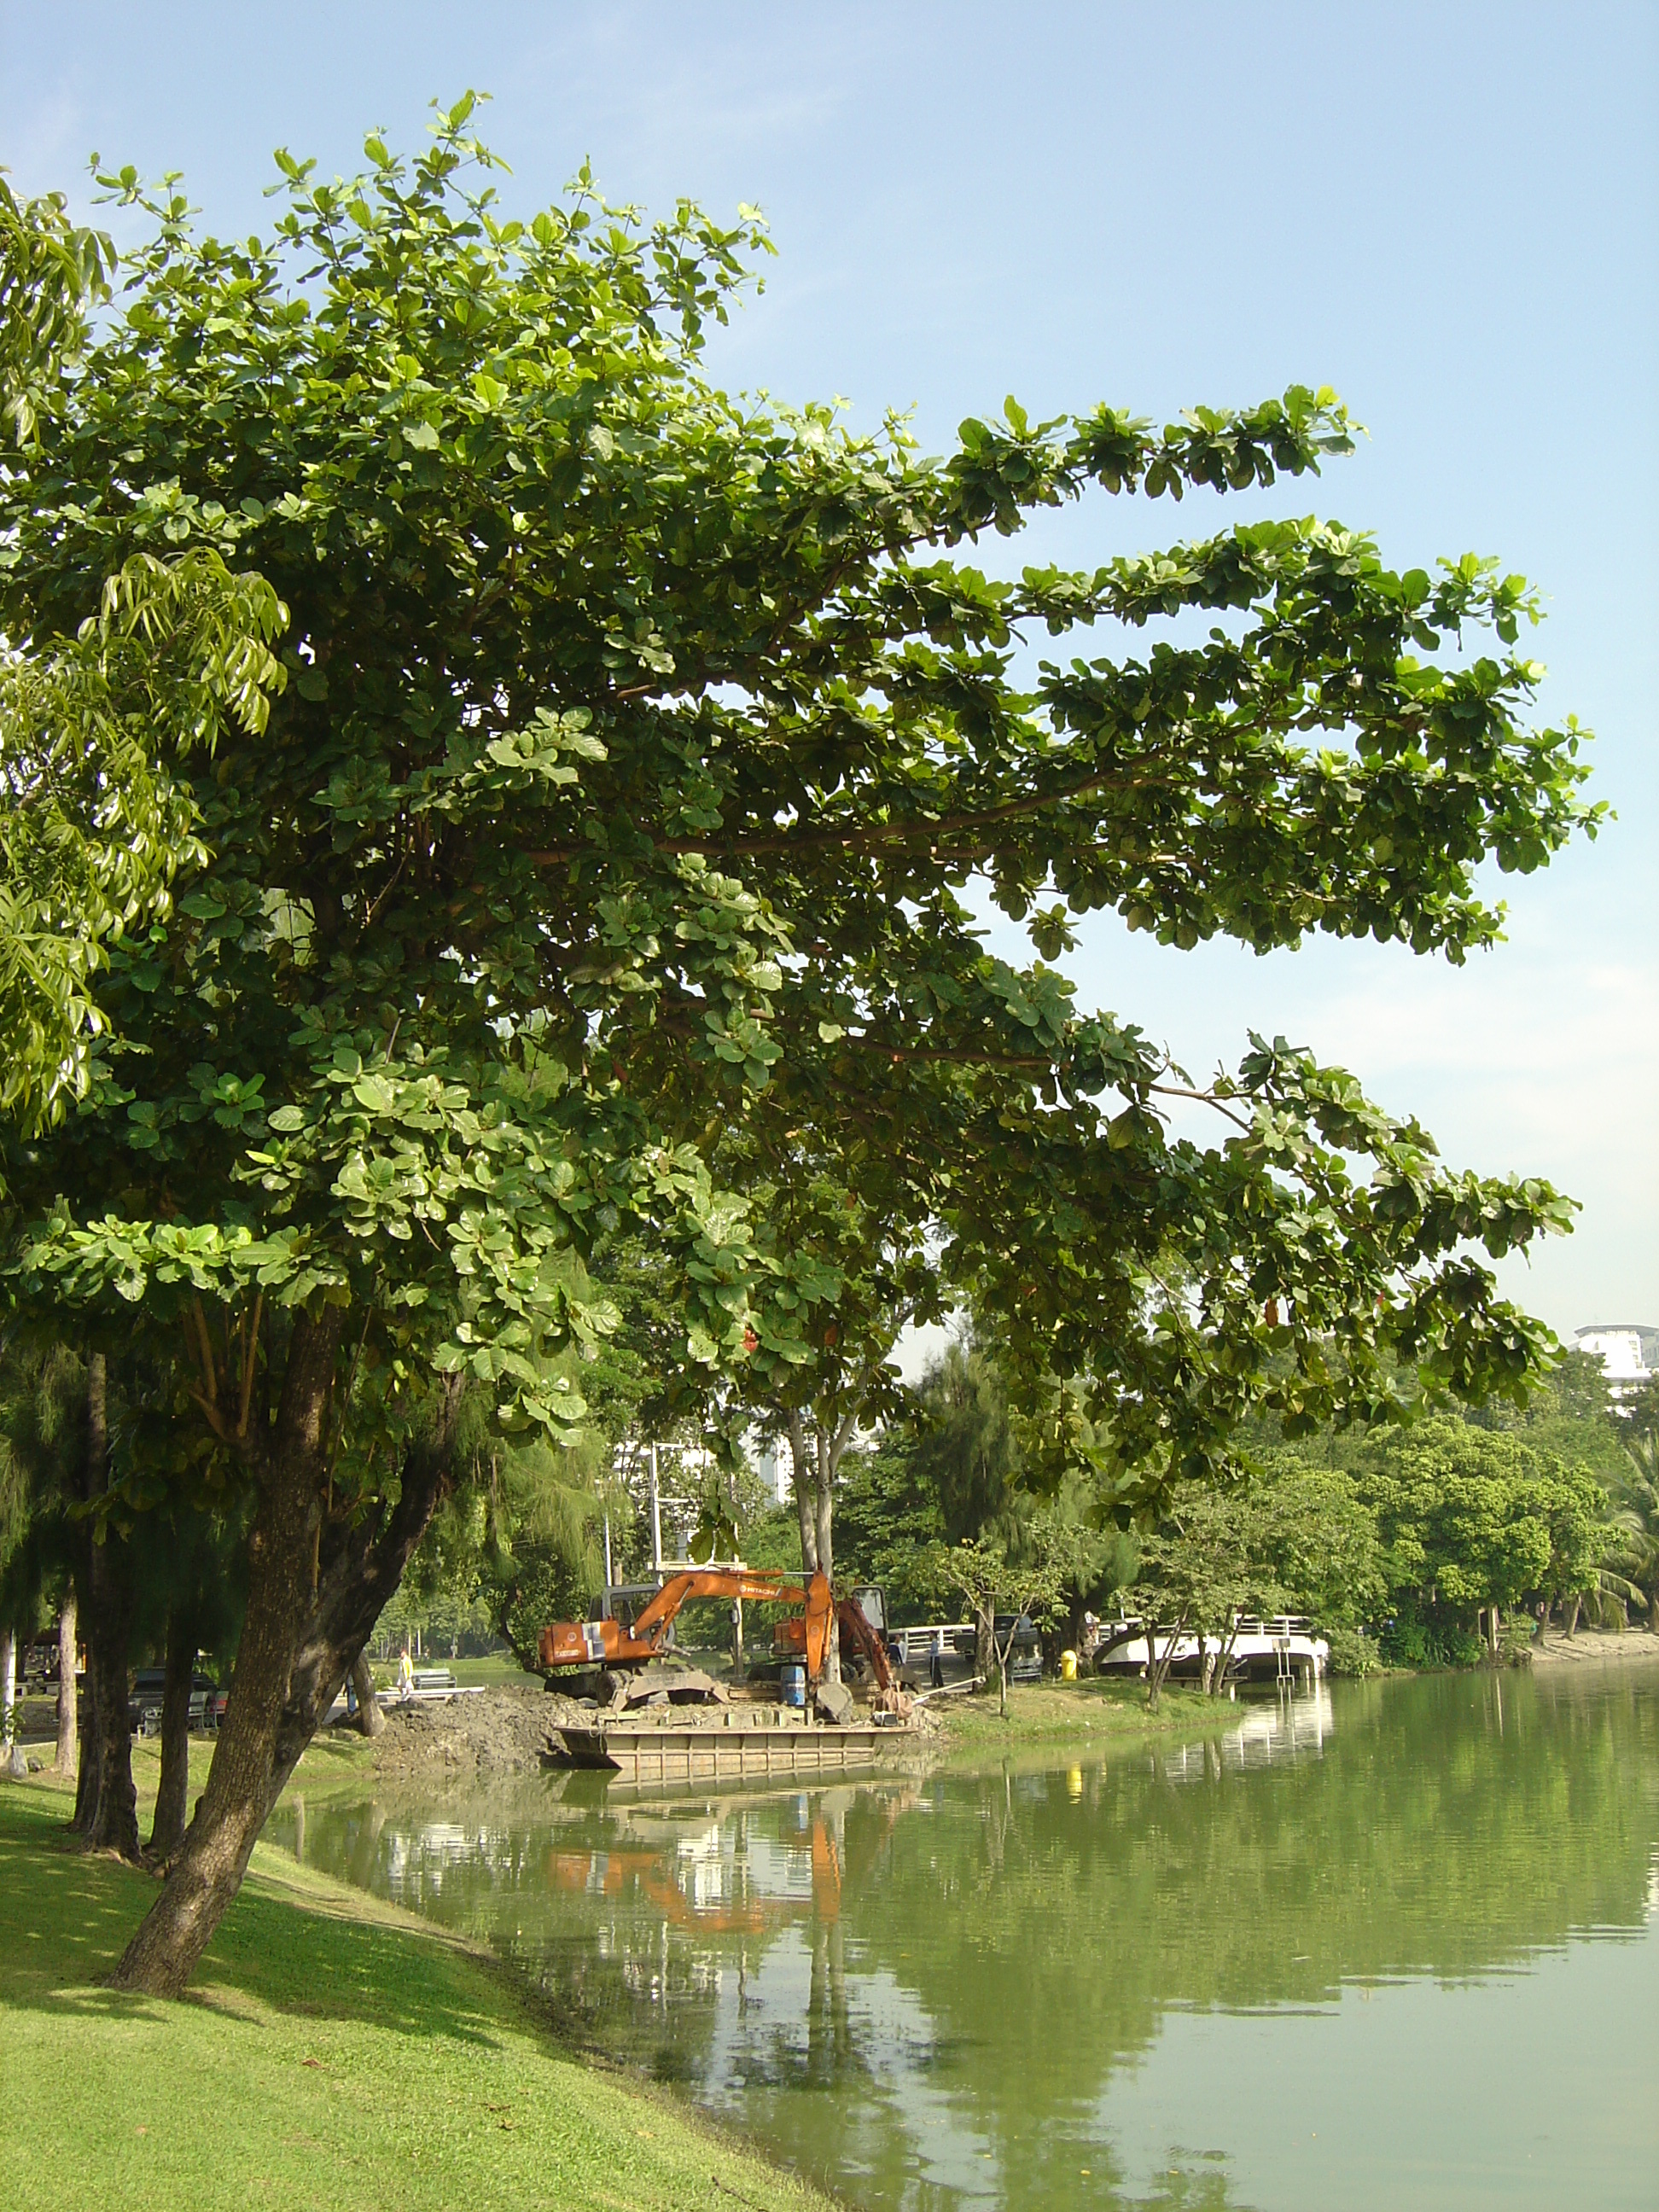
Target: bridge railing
[[1282, 1624]]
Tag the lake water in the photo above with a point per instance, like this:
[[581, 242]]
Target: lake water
[[1397, 1944]]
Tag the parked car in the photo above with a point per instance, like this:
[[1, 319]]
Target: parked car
[[1026, 1654], [148, 1687]]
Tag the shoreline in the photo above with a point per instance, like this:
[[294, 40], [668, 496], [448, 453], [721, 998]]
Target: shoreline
[[499, 1735], [1594, 1647]]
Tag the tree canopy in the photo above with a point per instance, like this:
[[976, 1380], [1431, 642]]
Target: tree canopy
[[639, 746], [94, 824]]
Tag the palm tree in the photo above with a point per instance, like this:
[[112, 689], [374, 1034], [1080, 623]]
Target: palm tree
[[1635, 1520]]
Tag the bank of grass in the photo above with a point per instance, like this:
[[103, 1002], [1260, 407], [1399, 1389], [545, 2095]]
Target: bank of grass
[[1092, 1708], [334, 2054], [495, 1666]]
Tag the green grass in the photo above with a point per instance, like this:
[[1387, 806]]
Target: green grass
[[1053, 1712], [498, 1667], [334, 2054]]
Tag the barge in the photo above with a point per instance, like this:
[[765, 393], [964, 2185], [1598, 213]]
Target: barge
[[734, 1745]]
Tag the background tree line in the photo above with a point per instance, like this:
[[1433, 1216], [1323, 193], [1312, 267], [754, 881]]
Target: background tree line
[[1408, 1546]]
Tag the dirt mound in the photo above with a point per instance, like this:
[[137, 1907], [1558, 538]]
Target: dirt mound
[[501, 1731]]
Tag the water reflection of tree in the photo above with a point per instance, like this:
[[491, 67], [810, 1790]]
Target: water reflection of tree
[[1430, 1839]]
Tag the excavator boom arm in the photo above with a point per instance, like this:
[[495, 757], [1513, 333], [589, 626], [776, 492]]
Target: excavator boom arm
[[757, 1587], [607, 1643], [855, 1630]]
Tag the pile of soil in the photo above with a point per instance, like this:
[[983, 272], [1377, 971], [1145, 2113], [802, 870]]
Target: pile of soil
[[508, 1730]]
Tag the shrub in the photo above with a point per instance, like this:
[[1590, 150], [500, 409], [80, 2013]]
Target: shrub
[[1426, 1643], [1353, 1653]]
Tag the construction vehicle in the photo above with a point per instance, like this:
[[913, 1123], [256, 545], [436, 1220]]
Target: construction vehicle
[[617, 1646], [621, 1639], [862, 1646]]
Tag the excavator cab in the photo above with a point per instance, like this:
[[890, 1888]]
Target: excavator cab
[[871, 1602], [623, 1602]]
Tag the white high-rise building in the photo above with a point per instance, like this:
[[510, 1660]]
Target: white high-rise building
[[1620, 1347]]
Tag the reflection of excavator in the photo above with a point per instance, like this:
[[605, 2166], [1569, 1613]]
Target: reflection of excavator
[[617, 1645], [605, 1873]]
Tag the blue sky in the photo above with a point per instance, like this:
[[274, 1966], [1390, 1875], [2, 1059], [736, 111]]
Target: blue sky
[[1449, 212]]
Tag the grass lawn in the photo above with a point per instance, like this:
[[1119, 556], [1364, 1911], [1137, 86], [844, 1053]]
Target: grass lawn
[[1051, 1712], [496, 1667], [499, 1667], [335, 2054]]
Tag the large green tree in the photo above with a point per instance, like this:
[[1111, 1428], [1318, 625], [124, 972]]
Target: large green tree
[[842, 1268], [639, 748], [1475, 1522]]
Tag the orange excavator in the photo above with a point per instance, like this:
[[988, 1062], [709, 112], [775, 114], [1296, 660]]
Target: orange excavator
[[859, 1641], [619, 1646]]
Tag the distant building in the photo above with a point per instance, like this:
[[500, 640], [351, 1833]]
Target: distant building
[[1621, 1346], [773, 1465]]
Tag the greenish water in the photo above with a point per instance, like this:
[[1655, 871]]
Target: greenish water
[[1398, 1945]]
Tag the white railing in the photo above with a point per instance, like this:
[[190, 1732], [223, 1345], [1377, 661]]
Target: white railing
[[917, 1644]]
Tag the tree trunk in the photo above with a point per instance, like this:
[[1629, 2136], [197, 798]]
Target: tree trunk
[[370, 1719], [111, 1812], [8, 1717], [814, 1510], [310, 1611], [805, 1493], [1157, 1672], [92, 1743], [824, 1505], [1570, 1610], [241, 1785], [1224, 1660], [816, 1460], [824, 1514], [91, 1752], [67, 1748], [111, 1822], [173, 1792]]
